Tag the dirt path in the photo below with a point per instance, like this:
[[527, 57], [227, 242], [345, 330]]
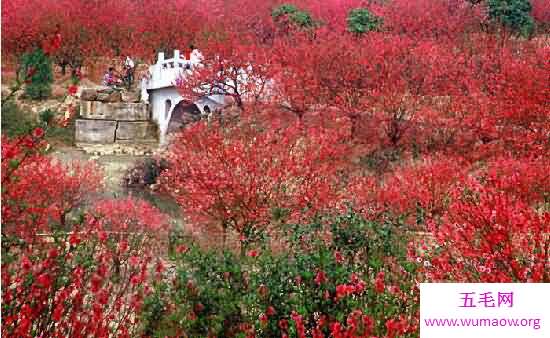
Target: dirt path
[[113, 166]]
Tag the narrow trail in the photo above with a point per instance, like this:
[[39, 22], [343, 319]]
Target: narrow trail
[[114, 168]]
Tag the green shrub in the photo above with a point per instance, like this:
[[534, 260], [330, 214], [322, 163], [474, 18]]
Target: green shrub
[[361, 20], [145, 173], [36, 69], [514, 14], [344, 270], [14, 121], [46, 116], [298, 17], [284, 9]]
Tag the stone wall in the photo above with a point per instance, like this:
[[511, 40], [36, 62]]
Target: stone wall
[[110, 116]]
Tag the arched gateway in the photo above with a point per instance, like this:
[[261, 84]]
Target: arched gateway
[[159, 90]]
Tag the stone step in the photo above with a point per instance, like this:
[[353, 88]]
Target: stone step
[[142, 148], [109, 131], [95, 131], [105, 94], [122, 111], [135, 130]]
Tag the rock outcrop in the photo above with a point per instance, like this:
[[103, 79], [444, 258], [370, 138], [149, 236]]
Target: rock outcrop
[[109, 116]]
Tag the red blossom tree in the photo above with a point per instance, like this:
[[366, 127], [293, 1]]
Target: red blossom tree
[[238, 177], [489, 236], [241, 71], [69, 278]]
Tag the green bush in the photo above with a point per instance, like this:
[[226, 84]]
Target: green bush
[[46, 116], [36, 69], [514, 14], [284, 9], [361, 20], [298, 17], [15, 122], [344, 271], [145, 173]]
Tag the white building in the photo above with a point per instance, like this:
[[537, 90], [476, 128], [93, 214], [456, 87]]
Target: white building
[[160, 90]]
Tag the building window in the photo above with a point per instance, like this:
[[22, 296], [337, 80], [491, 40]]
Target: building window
[[168, 105]]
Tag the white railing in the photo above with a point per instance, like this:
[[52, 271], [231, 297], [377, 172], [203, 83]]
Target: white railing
[[166, 71]]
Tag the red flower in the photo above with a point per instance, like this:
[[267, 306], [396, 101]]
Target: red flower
[[320, 278], [57, 312], [181, 249], [198, 307], [263, 319], [72, 89], [74, 239], [270, 311], [135, 280], [30, 72], [338, 257], [134, 261], [336, 329], [38, 132], [283, 324], [252, 253], [96, 282], [123, 246], [394, 327], [26, 263], [298, 280], [263, 290], [192, 316], [326, 295], [322, 321], [379, 282], [102, 235], [341, 291], [360, 286], [44, 280], [53, 253], [159, 268]]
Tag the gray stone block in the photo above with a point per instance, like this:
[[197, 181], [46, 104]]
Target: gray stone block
[[130, 96], [95, 131], [112, 96], [135, 130], [88, 94], [114, 111]]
